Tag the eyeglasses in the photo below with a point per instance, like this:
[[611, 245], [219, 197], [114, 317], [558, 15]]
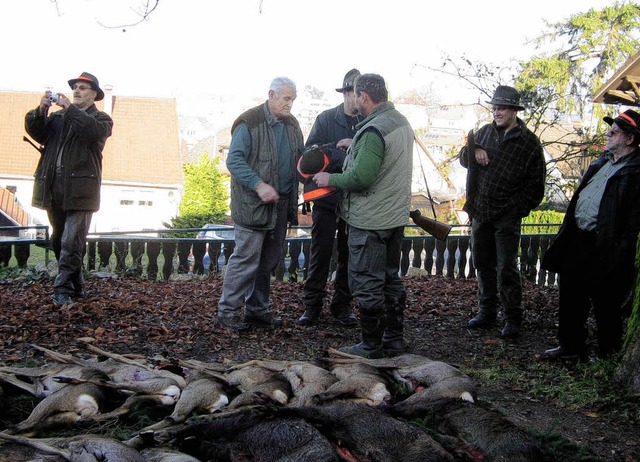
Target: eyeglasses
[[81, 87]]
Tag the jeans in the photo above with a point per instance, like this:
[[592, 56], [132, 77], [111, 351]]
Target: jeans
[[256, 255], [494, 247]]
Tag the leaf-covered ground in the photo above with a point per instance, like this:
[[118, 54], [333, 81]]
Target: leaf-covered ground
[[176, 320]]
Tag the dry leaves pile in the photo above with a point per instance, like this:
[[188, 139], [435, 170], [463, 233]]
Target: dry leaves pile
[[176, 320]]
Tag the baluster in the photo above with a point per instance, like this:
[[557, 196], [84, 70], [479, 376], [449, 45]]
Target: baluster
[[199, 248], [418, 246], [5, 254], [214, 253], [137, 251], [91, 255], [534, 247], [306, 249], [452, 245], [429, 247], [463, 245], [153, 250], [404, 256], [22, 252], [440, 248], [184, 248], [105, 249], [168, 252], [121, 250], [525, 242]]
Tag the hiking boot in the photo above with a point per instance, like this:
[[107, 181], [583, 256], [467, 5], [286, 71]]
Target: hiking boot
[[511, 330], [61, 299], [262, 320], [310, 316], [482, 320], [346, 319], [233, 323]]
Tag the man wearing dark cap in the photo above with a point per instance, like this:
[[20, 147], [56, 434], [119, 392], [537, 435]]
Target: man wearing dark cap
[[69, 174], [336, 126], [505, 181], [594, 250]]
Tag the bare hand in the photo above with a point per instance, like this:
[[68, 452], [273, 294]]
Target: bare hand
[[267, 193], [321, 179], [344, 144], [63, 101], [482, 158]]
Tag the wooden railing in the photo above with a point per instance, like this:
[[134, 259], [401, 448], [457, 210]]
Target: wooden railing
[[139, 254]]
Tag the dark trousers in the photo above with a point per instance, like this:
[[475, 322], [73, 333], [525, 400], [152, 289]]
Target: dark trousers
[[374, 268], [583, 285], [494, 246], [68, 239], [323, 236]]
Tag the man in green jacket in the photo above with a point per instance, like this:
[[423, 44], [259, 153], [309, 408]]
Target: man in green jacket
[[375, 202], [69, 174]]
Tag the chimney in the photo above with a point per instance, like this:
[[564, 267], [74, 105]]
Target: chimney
[[108, 99]]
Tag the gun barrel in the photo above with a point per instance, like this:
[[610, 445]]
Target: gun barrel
[[436, 228]]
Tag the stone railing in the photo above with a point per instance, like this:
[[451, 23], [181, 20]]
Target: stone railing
[[143, 254]]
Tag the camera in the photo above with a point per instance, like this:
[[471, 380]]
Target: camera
[[54, 97]]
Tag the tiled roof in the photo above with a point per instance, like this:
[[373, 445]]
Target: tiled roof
[[144, 146]]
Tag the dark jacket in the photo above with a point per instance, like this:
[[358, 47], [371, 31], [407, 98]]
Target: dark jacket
[[513, 182], [331, 126], [247, 209], [78, 137], [618, 221]]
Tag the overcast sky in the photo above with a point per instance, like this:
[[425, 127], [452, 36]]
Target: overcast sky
[[235, 47]]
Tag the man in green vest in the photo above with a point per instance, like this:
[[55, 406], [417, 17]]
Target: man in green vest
[[375, 202]]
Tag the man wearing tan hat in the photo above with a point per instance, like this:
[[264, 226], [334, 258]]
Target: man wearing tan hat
[[594, 251], [505, 181], [69, 174], [336, 126]]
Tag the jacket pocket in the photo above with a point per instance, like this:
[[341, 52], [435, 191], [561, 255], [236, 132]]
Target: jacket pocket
[[84, 187]]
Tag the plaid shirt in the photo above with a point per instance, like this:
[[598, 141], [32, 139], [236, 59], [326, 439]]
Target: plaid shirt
[[513, 182]]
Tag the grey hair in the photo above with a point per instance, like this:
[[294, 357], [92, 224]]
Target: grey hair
[[279, 83], [373, 85]]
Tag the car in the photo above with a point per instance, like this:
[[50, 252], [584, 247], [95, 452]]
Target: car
[[216, 231]]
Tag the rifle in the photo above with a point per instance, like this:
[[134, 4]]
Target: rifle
[[436, 228], [40, 149]]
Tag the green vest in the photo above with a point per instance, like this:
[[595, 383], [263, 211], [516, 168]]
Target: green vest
[[386, 204], [246, 207]]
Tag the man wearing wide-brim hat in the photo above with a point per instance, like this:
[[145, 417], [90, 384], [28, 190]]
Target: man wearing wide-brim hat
[[505, 181], [69, 174], [594, 250]]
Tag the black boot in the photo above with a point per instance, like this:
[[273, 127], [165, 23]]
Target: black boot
[[393, 340], [483, 319], [372, 325], [310, 315]]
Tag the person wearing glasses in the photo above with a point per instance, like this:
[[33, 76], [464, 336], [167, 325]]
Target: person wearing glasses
[[69, 174], [505, 181], [594, 251]]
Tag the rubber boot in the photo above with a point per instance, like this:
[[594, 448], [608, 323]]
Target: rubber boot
[[393, 340], [372, 327], [310, 315]]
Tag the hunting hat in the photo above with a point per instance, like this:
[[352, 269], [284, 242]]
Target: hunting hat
[[628, 121], [313, 160], [349, 79], [506, 96], [92, 79]]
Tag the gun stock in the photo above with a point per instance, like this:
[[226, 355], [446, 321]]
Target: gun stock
[[436, 228]]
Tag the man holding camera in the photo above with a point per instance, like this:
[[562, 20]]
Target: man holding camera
[[69, 174]]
